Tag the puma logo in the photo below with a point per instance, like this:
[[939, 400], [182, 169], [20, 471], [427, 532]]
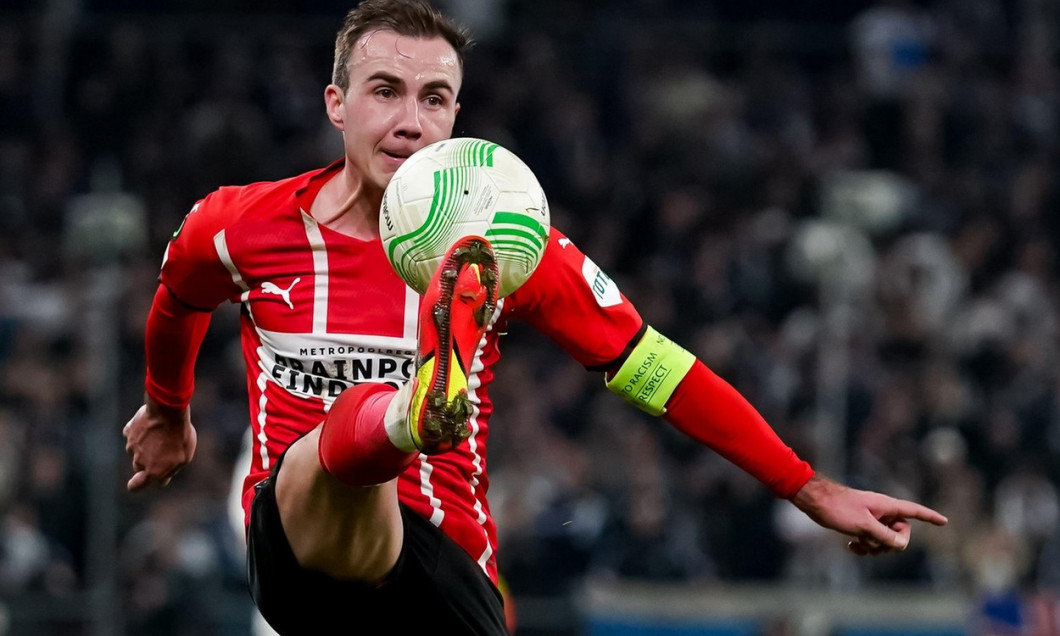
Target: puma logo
[[285, 294]]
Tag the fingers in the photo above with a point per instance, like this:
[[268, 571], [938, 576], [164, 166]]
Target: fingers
[[869, 546], [865, 548], [141, 479], [168, 477], [910, 510], [881, 537], [892, 533], [859, 548], [127, 429], [192, 443]]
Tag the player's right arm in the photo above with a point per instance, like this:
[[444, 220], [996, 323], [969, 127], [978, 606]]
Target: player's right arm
[[160, 438]]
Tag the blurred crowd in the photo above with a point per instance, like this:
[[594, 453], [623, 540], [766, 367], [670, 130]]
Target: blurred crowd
[[848, 213]]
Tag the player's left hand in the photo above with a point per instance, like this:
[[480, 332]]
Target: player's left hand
[[877, 523]]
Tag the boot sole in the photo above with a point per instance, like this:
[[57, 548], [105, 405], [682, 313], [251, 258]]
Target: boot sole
[[443, 418]]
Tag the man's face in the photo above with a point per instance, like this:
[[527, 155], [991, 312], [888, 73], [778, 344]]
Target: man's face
[[401, 97]]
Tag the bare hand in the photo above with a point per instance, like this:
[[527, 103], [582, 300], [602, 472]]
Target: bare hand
[[161, 440], [877, 523]]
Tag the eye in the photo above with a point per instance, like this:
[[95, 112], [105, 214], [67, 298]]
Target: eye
[[435, 100], [385, 92]]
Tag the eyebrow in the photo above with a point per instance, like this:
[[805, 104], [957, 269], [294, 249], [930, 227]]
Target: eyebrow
[[436, 84], [386, 77], [394, 79]]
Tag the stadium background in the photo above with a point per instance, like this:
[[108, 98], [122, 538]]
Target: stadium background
[[847, 209]]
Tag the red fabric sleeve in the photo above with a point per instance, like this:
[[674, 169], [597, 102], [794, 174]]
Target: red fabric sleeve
[[570, 300], [192, 268], [172, 340], [709, 410]]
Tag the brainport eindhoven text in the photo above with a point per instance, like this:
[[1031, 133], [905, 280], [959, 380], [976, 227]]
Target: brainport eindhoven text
[[329, 378]]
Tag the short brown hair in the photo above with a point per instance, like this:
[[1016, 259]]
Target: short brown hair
[[412, 18]]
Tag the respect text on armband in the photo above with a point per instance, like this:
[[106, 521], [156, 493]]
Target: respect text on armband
[[646, 380], [651, 373]]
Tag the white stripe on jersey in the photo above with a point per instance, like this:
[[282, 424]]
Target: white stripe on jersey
[[473, 383], [221, 246], [412, 313], [472, 441], [485, 557], [320, 269], [263, 381], [427, 488]]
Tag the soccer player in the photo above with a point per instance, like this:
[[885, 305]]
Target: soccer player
[[369, 406]]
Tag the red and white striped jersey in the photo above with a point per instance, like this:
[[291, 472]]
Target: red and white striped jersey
[[323, 311]]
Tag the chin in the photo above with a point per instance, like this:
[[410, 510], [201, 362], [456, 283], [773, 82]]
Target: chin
[[379, 181]]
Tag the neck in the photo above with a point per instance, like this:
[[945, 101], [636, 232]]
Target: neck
[[348, 205]]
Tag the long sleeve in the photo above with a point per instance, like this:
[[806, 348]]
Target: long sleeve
[[708, 409], [173, 336]]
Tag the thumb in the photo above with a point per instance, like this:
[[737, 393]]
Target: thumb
[[137, 482], [888, 536]]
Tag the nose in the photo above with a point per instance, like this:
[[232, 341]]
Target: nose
[[409, 124]]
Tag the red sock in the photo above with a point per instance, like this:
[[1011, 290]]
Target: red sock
[[354, 446]]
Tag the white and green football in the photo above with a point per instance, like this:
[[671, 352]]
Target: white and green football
[[463, 187]]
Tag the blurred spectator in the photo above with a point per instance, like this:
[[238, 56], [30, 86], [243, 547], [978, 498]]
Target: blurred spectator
[[892, 41]]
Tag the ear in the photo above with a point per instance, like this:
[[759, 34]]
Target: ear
[[456, 109], [333, 101]]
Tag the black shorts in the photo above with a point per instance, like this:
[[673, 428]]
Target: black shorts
[[434, 587]]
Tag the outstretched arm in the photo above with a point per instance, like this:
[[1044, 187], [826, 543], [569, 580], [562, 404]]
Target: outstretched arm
[[711, 411], [160, 438], [661, 378]]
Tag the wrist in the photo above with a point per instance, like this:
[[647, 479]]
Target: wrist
[[161, 394], [161, 410], [812, 493]]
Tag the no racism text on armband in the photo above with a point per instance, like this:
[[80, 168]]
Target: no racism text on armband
[[652, 372]]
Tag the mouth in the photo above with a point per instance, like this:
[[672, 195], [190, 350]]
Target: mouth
[[396, 158]]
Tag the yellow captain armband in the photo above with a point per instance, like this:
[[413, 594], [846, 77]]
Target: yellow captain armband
[[652, 372]]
